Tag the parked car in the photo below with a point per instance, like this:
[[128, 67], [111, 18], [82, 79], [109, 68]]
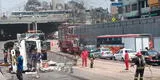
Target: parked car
[[152, 57], [92, 50], [103, 53], [121, 53]]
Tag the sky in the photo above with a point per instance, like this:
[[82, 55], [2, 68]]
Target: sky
[[15, 5]]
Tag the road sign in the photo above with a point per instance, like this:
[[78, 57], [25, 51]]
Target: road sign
[[114, 19], [117, 4]]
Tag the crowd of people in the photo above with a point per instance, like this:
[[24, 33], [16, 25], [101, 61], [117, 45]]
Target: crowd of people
[[13, 57]]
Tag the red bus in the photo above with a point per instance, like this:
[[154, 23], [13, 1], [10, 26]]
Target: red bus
[[131, 41]]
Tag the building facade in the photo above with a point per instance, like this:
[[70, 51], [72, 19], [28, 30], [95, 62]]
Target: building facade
[[114, 8], [134, 8], [138, 9]]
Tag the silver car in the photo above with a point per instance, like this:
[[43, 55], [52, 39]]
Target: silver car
[[105, 53]]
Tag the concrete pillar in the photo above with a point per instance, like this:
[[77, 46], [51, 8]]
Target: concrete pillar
[[29, 26]]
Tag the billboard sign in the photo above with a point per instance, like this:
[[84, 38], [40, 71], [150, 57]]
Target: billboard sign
[[117, 4]]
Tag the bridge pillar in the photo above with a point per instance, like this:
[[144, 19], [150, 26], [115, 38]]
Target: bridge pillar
[[29, 26]]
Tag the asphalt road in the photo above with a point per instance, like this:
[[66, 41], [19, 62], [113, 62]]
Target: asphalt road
[[103, 70], [55, 75]]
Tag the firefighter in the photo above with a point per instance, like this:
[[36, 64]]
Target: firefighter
[[126, 60], [84, 56], [5, 52], [91, 57], [139, 61]]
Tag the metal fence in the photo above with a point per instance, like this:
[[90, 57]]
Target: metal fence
[[88, 33]]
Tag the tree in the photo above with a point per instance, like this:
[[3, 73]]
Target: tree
[[45, 5], [78, 10], [32, 5], [99, 15]]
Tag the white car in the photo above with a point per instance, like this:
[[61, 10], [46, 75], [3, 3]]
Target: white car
[[105, 53], [121, 53]]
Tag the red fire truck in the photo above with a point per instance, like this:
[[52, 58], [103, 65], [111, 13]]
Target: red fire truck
[[68, 41]]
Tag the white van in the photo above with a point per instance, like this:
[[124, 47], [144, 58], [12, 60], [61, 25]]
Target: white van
[[121, 54]]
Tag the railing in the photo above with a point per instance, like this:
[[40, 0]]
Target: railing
[[134, 21], [11, 20]]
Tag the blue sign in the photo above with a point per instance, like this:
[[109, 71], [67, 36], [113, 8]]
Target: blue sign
[[117, 4]]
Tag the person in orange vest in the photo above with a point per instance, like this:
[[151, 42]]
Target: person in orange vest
[[126, 60], [84, 56]]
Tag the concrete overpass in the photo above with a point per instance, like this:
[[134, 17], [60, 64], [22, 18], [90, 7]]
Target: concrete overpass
[[29, 20], [10, 26]]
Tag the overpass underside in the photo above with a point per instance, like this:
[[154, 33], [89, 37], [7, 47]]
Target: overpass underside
[[9, 31]]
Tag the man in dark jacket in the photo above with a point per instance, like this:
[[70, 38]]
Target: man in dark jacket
[[140, 63]]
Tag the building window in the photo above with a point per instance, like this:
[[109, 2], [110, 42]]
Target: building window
[[119, 0], [134, 7], [112, 0], [147, 3], [127, 8], [142, 4], [120, 10]]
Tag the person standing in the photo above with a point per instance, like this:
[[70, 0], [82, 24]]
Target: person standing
[[84, 56], [92, 57], [34, 59], [44, 54], [139, 61], [38, 61], [126, 60], [19, 65], [5, 52], [13, 60]]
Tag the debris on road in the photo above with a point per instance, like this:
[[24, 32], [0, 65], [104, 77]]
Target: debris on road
[[54, 66]]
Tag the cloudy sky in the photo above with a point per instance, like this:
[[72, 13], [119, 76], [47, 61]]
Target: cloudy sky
[[12, 5]]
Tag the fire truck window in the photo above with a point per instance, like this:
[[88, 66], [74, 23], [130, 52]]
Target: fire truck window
[[121, 52]]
